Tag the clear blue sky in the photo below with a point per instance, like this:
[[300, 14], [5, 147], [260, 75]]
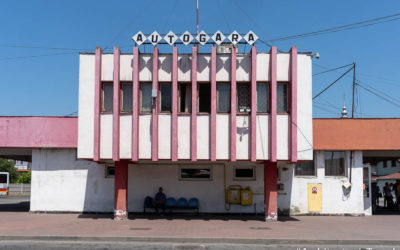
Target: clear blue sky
[[49, 85]]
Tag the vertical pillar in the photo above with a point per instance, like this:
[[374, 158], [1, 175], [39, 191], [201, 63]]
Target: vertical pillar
[[116, 105], [293, 104], [135, 105], [270, 191], [272, 99], [233, 105], [121, 190], [154, 128], [97, 105], [253, 136], [213, 117], [174, 120], [194, 105]]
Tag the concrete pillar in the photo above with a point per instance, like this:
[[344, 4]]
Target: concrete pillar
[[270, 191], [121, 190]]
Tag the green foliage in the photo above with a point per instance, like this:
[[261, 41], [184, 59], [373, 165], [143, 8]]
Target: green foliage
[[25, 178], [7, 166]]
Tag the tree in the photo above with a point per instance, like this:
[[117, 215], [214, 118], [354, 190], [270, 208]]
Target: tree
[[8, 166], [25, 178]]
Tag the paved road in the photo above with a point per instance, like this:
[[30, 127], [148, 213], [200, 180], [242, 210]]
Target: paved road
[[60, 245], [14, 204]]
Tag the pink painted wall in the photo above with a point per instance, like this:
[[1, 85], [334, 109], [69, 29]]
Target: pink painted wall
[[38, 132]]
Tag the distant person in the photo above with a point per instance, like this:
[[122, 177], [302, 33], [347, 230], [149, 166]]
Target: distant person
[[160, 200], [387, 192], [375, 194], [396, 188]]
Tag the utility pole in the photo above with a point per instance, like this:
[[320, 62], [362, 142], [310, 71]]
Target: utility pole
[[354, 86]]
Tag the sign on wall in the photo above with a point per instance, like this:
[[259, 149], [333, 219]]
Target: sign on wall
[[186, 38]]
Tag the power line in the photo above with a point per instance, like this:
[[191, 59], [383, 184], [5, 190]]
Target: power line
[[360, 24], [329, 70], [376, 94], [35, 56], [330, 85], [38, 47]]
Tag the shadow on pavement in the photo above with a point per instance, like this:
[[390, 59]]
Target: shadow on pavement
[[15, 207]]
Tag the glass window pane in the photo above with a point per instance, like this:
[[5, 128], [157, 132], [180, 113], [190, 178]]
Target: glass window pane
[[107, 97], [224, 97], [204, 97], [334, 163], [165, 90], [195, 173], [263, 97], [185, 97], [282, 98], [243, 97], [305, 168], [146, 97], [127, 97]]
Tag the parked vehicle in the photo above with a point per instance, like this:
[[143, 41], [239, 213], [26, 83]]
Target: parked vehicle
[[4, 183]]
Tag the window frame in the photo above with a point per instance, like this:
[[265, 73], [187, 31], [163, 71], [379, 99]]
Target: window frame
[[345, 164], [121, 94], [287, 83], [195, 167], [106, 173], [269, 97], [141, 99], [102, 97], [314, 167], [217, 97], [198, 98], [237, 98], [159, 97], [186, 84], [235, 178]]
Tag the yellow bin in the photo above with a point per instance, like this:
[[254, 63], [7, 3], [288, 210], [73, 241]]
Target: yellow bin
[[246, 196], [234, 194]]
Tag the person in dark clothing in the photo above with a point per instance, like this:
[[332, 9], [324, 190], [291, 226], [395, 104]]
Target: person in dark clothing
[[160, 199]]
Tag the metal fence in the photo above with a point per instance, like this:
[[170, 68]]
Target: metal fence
[[19, 189]]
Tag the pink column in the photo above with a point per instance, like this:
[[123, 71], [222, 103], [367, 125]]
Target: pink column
[[293, 104], [174, 142], [270, 191], [194, 104], [272, 99], [135, 105], [97, 105], [233, 105], [154, 137], [213, 118], [121, 190], [116, 105], [253, 131]]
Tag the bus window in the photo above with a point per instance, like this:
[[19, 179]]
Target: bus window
[[4, 181]]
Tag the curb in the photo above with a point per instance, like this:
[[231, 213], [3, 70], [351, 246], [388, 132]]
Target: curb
[[244, 241]]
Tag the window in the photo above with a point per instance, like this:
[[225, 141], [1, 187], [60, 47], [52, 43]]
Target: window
[[393, 163], [384, 164], [263, 97], [185, 97], [107, 97], [204, 94], [282, 98], [146, 100], [223, 97], [126, 104], [244, 173], [306, 168], [334, 163], [195, 173], [243, 97], [110, 171], [165, 96]]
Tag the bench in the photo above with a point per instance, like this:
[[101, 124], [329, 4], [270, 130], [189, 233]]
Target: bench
[[173, 205]]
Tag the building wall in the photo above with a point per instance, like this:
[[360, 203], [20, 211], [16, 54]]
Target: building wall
[[243, 73], [294, 198]]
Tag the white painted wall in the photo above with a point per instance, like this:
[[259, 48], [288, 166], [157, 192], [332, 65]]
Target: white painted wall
[[294, 197], [86, 109]]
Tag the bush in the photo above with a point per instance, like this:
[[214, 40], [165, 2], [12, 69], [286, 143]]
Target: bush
[[24, 178], [7, 166]]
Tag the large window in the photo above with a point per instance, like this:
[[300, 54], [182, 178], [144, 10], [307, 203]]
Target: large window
[[244, 173], [243, 97], [165, 96], [126, 104], [195, 173], [263, 97], [185, 97], [282, 95], [204, 94], [223, 97], [107, 97], [145, 97], [306, 168], [334, 163]]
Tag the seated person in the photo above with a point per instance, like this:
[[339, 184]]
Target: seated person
[[160, 200]]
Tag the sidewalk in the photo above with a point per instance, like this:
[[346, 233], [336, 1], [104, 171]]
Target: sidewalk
[[207, 228]]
